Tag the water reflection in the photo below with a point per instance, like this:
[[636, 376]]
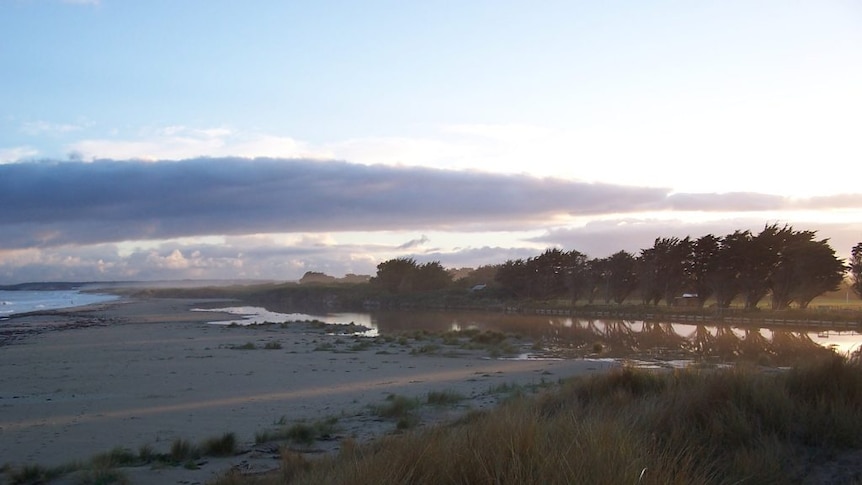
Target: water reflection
[[572, 338], [567, 337]]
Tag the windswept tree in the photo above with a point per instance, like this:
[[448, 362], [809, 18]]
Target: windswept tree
[[431, 276], [576, 275], [649, 276], [704, 262], [512, 277], [793, 266], [547, 274], [622, 278], [724, 277], [598, 280], [856, 269], [817, 270], [759, 257], [552, 274], [403, 275], [664, 269], [788, 247], [805, 268], [395, 275]]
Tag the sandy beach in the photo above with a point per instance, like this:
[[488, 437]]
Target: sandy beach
[[148, 372]]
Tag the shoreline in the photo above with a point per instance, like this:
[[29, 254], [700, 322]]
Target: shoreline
[[124, 309], [146, 372]]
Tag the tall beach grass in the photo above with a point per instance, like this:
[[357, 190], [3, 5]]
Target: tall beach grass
[[706, 426]]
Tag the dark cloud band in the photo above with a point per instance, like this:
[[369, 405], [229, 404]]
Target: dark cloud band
[[47, 204], [55, 203]]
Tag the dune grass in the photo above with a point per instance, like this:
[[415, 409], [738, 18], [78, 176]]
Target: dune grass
[[102, 468], [301, 433], [705, 426], [443, 398]]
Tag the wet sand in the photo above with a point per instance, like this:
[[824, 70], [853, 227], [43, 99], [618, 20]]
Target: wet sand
[[149, 372]]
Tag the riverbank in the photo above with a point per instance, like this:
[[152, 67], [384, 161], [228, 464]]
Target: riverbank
[[148, 372]]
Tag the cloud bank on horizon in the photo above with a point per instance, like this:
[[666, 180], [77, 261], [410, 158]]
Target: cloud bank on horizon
[[166, 140], [68, 209]]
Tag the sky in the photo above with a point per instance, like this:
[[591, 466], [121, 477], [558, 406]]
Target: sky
[[216, 139]]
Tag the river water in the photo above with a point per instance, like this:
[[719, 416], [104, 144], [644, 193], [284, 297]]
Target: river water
[[575, 337]]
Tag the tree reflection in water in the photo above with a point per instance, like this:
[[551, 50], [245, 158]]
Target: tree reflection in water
[[667, 341], [571, 337]]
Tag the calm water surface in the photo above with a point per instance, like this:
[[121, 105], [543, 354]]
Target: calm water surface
[[574, 337]]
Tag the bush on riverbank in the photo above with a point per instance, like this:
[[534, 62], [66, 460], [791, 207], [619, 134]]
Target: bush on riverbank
[[736, 425]]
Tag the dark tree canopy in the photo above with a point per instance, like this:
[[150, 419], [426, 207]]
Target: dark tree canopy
[[791, 266], [621, 276], [856, 269], [395, 275], [664, 270], [431, 276], [805, 269], [758, 259], [704, 263], [404, 275]]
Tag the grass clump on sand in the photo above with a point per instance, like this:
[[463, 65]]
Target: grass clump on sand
[[102, 467], [183, 450], [399, 408], [396, 406], [117, 457], [443, 398], [300, 433], [705, 426], [31, 474], [102, 476], [186, 453], [224, 445], [245, 346]]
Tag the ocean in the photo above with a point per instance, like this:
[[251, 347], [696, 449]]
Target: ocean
[[23, 301]]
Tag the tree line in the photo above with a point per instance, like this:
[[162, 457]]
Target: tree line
[[790, 266]]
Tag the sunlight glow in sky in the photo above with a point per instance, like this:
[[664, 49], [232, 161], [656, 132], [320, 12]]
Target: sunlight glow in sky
[[690, 118]]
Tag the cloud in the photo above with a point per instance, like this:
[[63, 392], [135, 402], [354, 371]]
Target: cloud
[[181, 142], [56, 203], [725, 202], [240, 257], [9, 155], [633, 150], [39, 128], [414, 243], [476, 257], [48, 204], [602, 238], [278, 218]]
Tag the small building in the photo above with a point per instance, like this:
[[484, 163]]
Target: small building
[[687, 300]]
